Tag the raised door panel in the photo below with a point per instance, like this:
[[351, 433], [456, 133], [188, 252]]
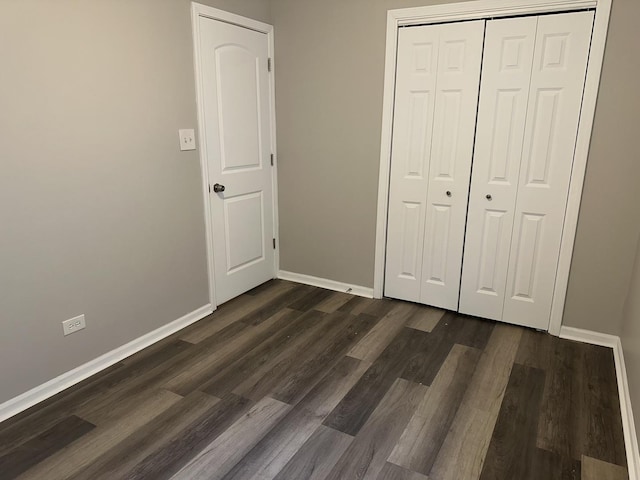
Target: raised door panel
[[244, 230], [456, 101], [240, 129], [235, 90], [413, 123], [557, 82], [506, 75]]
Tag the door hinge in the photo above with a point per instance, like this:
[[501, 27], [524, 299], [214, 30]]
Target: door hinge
[[269, 64], [274, 243], [272, 159]]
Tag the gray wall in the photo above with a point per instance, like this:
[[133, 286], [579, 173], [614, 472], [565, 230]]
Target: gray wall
[[624, 152], [607, 230], [329, 86], [329, 81], [631, 339], [100, 213]]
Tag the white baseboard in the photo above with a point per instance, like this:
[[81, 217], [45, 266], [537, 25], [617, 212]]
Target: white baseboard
[[628, 423], [587, 336], [42, 392], [326, 283]]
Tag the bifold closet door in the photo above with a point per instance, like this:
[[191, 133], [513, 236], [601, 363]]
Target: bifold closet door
[[437, 81], [502, 112], [555, 99], [522, 169]]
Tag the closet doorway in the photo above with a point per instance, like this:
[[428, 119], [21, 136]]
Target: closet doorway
[[487, 121]]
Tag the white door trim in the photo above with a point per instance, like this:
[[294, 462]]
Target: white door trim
[[491, 9], [199, 10]]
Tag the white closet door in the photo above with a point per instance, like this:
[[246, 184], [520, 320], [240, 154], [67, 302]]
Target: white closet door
[[506, 75], [557, 82], [458, 81], [414, 108]]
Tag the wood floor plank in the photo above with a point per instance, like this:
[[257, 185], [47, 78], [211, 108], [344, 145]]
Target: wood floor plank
[[357, 305], [90, 446], [594, 469], [366, 456], [420, 443], [394, 472], [551, 465], [294, 372], [464, 449], [452, 329], [183, 447], [469, 438], [276, 367], [604, 437], [421, 398], [511, 452], [311, 300], [333, 302], [315, 459], [473, 332], [32, 452], [314, 362], [379, 337], [562, 401], [535, 349], [266, 286], [39, 418], [118, 461], [283, 300], [114, 401], [425, 318], [356, 407], [92, 394], [272, 453], [234, 310], [201, 367], [380, 307], [218, 458], [98, 394], [250, 368], [580, 411]]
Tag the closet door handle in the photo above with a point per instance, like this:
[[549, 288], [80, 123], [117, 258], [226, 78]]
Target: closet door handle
[[489, 197], [448, 193]]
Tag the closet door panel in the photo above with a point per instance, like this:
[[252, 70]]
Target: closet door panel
[[557, 82], [416, 77], [456, 101], [506, 75]]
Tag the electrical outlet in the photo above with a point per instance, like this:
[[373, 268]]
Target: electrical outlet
[[187, 139], [73, 325]]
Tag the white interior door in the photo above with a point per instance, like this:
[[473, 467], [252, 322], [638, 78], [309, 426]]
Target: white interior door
[[235, 91], [506, 76], [555, 98], [417, 67], [456, 103]]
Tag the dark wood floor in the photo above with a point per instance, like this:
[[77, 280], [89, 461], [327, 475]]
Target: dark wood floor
[[295, 382]]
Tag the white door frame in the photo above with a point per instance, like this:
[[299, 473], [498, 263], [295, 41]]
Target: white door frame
[[198, 10], [479, 9]]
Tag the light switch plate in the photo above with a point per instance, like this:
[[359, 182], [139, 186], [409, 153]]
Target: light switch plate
[[187, 139]]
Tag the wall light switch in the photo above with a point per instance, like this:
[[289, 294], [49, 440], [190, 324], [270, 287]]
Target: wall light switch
[[187, 139]]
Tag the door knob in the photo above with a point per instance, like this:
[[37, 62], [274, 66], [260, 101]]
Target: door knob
[[448, 193], [489, 197], [218, 188]]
